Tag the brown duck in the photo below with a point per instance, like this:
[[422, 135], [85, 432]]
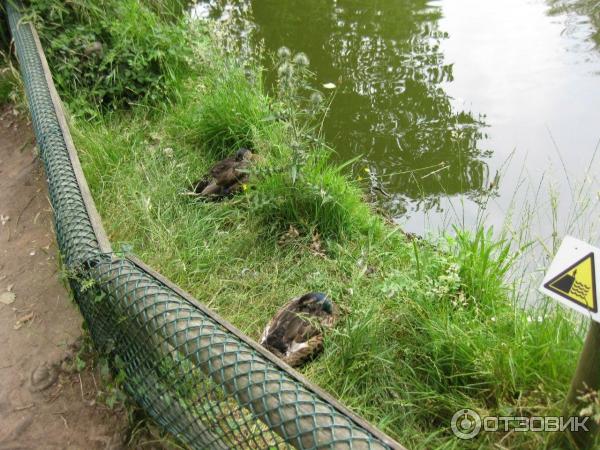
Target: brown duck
[[225, 178], [295, 334]]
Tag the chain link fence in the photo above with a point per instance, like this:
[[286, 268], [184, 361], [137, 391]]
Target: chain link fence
[[195, 374]]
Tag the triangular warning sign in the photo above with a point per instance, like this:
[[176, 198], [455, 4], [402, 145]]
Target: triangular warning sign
[[577, 283]]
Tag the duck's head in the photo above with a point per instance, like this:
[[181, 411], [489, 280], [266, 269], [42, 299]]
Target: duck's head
[[243, 154], [317, 300]]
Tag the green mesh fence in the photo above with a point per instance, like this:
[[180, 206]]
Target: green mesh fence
[[196, 375]]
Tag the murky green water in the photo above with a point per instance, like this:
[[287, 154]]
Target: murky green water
[[436, 96]]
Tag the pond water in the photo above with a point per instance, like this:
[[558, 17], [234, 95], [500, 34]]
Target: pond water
[[452, 104]]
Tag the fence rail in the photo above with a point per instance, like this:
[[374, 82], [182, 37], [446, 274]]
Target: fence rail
[[197, 375]]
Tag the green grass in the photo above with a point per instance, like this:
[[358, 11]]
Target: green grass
[[232, 116], [428, 327], [135, 61], [10, 83]]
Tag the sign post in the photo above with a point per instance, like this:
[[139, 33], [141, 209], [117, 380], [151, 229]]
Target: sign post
[[572, 280], [587, 376]]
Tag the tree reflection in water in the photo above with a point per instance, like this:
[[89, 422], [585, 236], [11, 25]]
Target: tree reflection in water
[[390, 105]]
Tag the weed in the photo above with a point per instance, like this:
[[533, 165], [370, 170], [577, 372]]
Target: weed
[[227, 119], [7, 85], [318, 197], [111, 53]]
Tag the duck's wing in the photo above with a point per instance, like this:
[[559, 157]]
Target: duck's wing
[[232, 176], [306, 336], [206, 184], [199, 185], [294, 336], [222, 166], [274, 350], [280, 320], [212, 189], [293, 330], [304, 326], [302, 352]]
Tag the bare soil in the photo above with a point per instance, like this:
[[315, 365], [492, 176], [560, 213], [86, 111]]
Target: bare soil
[[44, 403]]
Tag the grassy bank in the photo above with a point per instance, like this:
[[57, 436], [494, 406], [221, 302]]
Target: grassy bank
[[428, 327]]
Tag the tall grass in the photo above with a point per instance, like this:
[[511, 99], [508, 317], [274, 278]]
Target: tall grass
[[9, 82], [230, 117], [321, 199], [113, 53]]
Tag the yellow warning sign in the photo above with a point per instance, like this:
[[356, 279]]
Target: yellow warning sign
[[577, 283]]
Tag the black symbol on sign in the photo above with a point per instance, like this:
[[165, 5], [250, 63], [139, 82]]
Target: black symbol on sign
[[565, 283], [570, 285]]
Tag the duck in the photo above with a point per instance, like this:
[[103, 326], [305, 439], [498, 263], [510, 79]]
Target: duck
[[224, 178], [295, 333]]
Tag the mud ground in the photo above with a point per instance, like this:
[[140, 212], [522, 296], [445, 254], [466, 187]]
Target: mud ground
[[44, 403]]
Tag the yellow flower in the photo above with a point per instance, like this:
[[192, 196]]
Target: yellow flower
[[367, 170], [244, 187]]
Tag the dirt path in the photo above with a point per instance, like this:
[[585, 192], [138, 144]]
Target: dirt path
[[41, 406]]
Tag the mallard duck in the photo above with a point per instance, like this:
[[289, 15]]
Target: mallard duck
[[225, 178], [295, 334]]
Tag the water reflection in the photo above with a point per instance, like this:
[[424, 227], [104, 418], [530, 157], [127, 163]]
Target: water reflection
[[578, 9], [390, 107]]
